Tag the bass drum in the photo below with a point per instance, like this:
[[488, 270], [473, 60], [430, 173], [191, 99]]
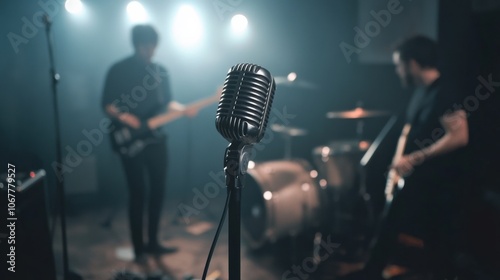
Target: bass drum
[[280, 198]]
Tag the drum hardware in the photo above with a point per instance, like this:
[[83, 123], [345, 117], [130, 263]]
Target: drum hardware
[[349, 166], [288, 132], [338, 164]]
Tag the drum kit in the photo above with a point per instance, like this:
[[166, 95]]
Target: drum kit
[[288, 196]]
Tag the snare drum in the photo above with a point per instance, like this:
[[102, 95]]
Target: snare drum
[[280, 198], [338, 165]]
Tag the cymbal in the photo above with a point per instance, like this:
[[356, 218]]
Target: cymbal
[[288, 130], [298, 83], [358, 113]]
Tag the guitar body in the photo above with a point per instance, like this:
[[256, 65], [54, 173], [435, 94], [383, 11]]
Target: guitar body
[[129, 141]]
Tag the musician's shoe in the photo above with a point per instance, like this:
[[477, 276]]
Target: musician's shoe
[[157, 249]]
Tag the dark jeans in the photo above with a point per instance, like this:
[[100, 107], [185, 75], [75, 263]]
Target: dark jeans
[[425, 210], [149, 166]]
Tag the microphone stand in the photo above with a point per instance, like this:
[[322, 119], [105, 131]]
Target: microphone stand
[[236, 160], [59, 185]]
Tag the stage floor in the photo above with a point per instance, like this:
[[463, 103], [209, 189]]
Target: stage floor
[[98, 251]]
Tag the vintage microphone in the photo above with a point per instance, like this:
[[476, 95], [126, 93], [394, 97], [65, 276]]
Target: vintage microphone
[[245, 104], [241, 118]]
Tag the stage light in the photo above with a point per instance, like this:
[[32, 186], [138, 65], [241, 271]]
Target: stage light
[[239, 23], [136, 12], [73, 6], [188, 29]]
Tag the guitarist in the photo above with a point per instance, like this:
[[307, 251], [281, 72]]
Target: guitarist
[[418, 223], [136, 90]]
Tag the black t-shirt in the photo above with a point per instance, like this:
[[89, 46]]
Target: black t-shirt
[[138, 88], [427, 106]]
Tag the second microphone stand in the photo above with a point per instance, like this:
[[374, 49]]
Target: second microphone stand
[[54, 76], [236, 161]]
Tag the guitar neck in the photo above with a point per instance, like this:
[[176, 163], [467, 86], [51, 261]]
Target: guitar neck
[[393, 177], [167, 117], [401, 143]]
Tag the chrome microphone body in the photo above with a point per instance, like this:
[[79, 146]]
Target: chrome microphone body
[[245, 103]]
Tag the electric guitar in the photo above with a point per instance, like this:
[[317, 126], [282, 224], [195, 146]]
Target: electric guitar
[[394, 184], [393, 178], [130, 141]]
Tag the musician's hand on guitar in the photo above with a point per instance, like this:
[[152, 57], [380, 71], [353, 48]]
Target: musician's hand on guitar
[[130, 120], [404, 166]]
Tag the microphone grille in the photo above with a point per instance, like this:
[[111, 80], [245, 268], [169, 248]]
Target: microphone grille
[[245, 103]]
